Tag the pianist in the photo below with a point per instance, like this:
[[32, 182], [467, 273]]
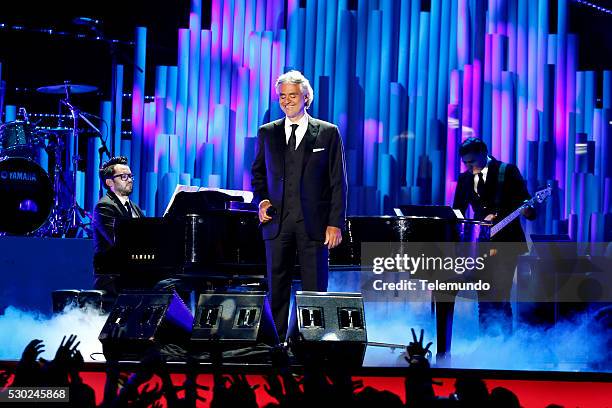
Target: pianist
[[118, 180], [299, 171]]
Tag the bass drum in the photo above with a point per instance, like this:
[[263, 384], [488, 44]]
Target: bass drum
[[26, 195]]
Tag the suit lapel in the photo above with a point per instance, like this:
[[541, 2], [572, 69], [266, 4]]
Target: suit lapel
[[137, 210], [491, 183], [309, 140], [117, 202], [278, 142]]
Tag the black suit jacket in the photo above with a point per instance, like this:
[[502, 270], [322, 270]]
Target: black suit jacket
[[513, 194], [106, 211], [323, 183]]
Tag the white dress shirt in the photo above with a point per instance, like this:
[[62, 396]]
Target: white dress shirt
[[299, 132], [299, 135], [127, 200], [484, 172]]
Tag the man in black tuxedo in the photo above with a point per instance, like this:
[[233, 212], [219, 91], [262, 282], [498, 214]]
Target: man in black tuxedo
[[299, 182], [118, 180], [494, 190]]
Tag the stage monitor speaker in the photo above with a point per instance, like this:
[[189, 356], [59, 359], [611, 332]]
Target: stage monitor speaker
[[86, 300], [328, 327], [233, 320], [63, 298], [143, 319]]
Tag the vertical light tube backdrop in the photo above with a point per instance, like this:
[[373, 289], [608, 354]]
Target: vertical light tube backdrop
[[405, 81]]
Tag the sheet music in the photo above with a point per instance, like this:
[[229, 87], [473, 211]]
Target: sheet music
[[247, 196]]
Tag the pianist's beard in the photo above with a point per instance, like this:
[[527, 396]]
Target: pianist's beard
[[125, 190]]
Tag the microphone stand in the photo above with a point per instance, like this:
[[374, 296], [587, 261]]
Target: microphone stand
[[104, 148], [74, 211]]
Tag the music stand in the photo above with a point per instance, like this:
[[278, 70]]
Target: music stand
[[199, 202], [430, 211]]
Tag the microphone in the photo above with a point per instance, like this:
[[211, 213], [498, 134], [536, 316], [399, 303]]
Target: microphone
[[271, 211]]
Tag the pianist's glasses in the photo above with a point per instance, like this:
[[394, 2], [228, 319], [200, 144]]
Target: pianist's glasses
[[124, 176]]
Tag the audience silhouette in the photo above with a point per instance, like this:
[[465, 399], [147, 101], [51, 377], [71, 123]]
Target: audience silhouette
[[150, 385]]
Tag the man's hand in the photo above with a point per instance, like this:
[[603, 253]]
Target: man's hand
[[490, 217], [66, 351], [333, 236], [34, 349], [417, 353], [263, 217], [528, 212]]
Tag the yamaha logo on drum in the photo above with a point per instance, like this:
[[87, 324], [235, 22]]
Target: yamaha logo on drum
[[18, 176]]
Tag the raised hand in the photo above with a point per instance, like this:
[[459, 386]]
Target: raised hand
[[418, 385], [75, 365], [28, 370], [415, 348], [34, 349], [66, 351], [149, 395], [242, 390], [274, 388]]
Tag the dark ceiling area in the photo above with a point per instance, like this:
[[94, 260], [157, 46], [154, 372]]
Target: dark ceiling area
[[43, 42], [594, 29], [48, 42]]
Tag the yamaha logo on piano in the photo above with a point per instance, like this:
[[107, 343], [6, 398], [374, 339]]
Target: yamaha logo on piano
[[142, 257]]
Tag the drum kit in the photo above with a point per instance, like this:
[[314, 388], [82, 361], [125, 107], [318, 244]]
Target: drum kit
[[33, 201]]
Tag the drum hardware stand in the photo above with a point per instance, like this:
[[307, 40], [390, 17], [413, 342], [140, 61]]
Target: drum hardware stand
[[56, 220], [76, 214]]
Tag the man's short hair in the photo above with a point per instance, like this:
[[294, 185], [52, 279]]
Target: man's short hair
[[473, 145], [107, 170], [296, 77]]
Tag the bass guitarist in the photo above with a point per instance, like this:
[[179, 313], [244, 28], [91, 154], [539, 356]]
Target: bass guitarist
[[494, 189]]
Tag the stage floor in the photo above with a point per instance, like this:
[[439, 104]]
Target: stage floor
[[37, 266]]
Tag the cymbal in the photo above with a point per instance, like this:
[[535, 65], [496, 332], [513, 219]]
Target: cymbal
[[61, 89]]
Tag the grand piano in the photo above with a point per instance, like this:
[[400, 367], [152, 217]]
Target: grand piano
[[203, 234], [208, 236]]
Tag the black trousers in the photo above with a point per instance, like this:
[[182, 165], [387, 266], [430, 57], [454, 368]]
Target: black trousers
[[280, 261], [494, 310]]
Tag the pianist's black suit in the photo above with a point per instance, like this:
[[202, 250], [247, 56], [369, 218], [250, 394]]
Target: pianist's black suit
[[500, 269], [106, 212], [308, 188]]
